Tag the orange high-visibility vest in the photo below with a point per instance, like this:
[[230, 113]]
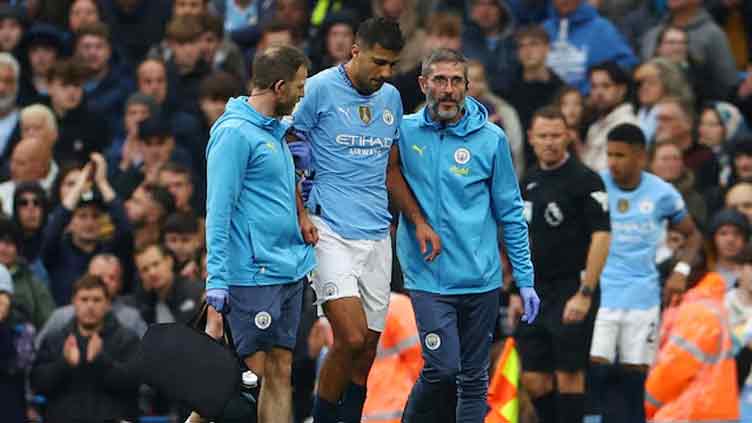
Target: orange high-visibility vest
[[502, 391], [694, 376], [397, 365]]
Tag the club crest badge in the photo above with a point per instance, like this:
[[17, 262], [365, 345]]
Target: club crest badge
[[462, 155], [263, 320], [433, 341], [365, 114], [388, 117], [622, 205]]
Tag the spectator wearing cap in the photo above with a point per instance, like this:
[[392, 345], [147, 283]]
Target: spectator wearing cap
[[12, 379], [32, 301], [10, 73], [728, 234], [31, 162], [489, 38], [108, 268], [158, 148], [675, 117], [83, 369], [66, 254], [609, 86], [126, 149], [219, 51], [706, 41], [581, 38], [12, 23], [108, 79], [147, 210], [535, 84], [30, 208], [336, 38], [79, 134], [42, 46], [136, 25]]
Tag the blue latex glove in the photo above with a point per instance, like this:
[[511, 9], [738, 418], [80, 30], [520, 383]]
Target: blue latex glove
[[217, 298], [305, 188], [301, 154], [530, 303]]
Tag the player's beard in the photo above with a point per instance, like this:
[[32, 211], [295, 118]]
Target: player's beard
[[285, 106]]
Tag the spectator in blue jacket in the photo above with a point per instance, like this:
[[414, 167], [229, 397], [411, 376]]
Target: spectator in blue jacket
[[66, 255], [581, 38], [489, 38]]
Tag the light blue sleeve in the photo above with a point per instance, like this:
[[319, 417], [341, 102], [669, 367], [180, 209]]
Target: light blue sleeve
[[227, 156], [508, 210], [672, 206]]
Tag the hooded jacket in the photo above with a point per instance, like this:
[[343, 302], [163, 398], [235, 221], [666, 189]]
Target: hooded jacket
[[581, 40], [501, 59], [252, 232], [463, 179]]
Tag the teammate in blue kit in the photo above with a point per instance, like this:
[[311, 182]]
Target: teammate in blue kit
[[627, 322], [460, 170], [351, 119], [257, 235]]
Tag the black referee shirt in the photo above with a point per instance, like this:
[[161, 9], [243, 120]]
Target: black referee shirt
[[563, 207]]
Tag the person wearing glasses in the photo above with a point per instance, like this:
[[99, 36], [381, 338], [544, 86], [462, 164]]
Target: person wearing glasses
[[459, 168]]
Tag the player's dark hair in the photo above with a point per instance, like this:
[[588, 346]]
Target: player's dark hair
[[627, 133], [382, 31], [277, 63], [443, 55]]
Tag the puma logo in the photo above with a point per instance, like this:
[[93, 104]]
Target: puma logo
[[419, 149]]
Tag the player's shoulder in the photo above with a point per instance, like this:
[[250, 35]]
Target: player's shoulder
[[658, 185], [324, 78]]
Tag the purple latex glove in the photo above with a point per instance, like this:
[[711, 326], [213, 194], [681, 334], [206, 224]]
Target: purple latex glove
[[530, 303]]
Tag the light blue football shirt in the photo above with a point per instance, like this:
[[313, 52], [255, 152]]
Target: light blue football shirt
[[350, 135], [630, 278]]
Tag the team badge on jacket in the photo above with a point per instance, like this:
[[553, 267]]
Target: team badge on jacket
[[462, 155]]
